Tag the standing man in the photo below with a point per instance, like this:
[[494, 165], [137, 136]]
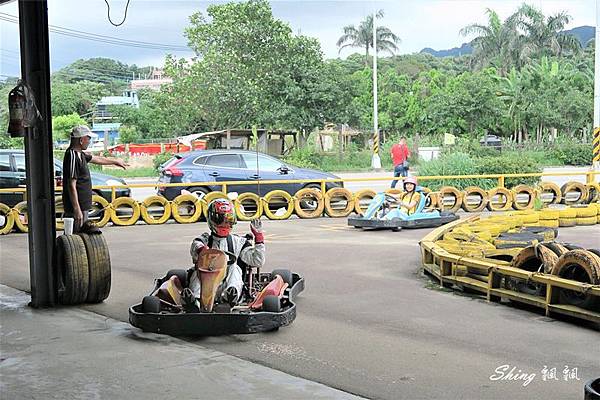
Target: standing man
[[400, 154], [77, 182]]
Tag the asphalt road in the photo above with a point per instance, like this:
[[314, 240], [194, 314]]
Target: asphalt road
[[368, 322]]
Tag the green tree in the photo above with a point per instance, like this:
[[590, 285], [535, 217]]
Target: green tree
[[362, 37], [62, 125]]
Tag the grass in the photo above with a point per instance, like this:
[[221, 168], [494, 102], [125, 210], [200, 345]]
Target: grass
[[127, 173]]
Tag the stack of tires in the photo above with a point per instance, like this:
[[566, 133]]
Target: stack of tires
[[82, 268]]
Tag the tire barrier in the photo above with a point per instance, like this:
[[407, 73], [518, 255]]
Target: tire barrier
[[240, 209], [277, 214], [99, 267], [549, 188], [103, 208], [343, 195], [456, 196], [523, 190], [481, 202], [124, 202], [309, 203], [152, 201], [192, 202], [505, 199], [7, 218], [21, 216], [360, 196], [573, 186], [72, 269], [557, 277], [340, 202]]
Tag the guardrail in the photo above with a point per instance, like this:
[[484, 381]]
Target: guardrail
[[445, 267]]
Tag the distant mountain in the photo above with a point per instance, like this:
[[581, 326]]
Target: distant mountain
[[583, 33]]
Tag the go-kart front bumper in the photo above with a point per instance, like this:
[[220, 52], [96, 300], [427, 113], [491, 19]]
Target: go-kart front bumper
[[215, 323], [397, 224]]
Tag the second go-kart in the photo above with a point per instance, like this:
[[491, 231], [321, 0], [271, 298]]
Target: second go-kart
[[383, 213], [266, 302]]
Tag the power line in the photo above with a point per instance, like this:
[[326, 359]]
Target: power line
[[102, 38]]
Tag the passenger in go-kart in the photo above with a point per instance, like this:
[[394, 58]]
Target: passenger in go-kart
[[379, 208], [410, 199], [221, 218]]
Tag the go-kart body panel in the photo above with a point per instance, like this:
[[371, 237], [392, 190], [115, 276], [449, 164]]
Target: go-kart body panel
[[219, 323]]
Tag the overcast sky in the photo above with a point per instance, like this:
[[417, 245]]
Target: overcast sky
[[419, 23]]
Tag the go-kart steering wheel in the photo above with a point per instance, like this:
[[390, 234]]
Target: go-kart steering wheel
[[232, 257], [390, 198]]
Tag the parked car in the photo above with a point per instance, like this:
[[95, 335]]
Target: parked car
[[12, 175], [234, 165]]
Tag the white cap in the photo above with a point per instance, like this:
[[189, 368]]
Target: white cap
[[81, 131]]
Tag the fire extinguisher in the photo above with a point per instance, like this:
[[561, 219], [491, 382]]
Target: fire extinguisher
[[22, 110]]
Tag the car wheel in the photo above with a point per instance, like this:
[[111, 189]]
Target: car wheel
[[181, 274], [285, 274], [310, 204], [151, 304], [271, 304], [199, 192]]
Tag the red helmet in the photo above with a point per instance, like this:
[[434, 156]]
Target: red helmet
[[410, 179], [221, 217]]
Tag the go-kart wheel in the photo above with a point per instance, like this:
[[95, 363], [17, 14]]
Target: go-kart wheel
[[151, 304], [181, 274], [271, 304], [286, 274]]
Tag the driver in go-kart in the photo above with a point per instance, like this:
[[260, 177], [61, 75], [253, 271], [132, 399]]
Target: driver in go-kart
[[221, 218]]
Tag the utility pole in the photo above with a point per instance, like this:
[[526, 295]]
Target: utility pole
[[596, 137], [375, 160]]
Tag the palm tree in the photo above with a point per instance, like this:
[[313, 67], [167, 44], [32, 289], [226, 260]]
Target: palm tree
[[496, 43], [544, 35], [363, 37]]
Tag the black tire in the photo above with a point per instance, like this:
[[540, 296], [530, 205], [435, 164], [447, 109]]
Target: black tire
[[72, 269], [595, 251], [199, 191], [99, 267], [572, 246], [181, 274], [286, 274], [151, 304], [557, 248], [592, 389], [271, 304]]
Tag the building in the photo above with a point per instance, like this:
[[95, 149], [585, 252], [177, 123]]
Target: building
[[156, 80]]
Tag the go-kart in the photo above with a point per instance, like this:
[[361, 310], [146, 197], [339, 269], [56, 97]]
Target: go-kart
[[265, 304], [383, 213]]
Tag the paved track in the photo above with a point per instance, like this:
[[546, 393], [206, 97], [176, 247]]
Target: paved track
[[368, 322]]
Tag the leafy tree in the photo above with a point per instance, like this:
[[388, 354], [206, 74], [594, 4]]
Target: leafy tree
[[79, 97], [129, 134], [62, 125], [362, 36]]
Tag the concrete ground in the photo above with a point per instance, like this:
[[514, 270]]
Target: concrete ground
[[368, 322]]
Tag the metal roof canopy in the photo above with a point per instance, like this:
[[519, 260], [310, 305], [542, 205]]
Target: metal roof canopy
[[35, 71]]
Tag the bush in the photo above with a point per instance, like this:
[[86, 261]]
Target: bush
[[513, 163], [160, 159], [573, 154]]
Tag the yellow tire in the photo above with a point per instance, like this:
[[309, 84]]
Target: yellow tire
[[363, 195], [587, 220], [566, 222], [152, 201], [395, 192], [481, 203], [505, 199], [574, 187], [284, 196], [549, 188], [523, 190], [238, 204], [586, 211], [21, 216], [456, 196], [549, 214], [312, 195], [100, 204], [593, 192], [548, 223], [127, 202], [567, 213], [340, 193], [189, 199], [527, 217], [8, 217]]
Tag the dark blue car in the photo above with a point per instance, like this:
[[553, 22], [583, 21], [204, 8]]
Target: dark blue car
[[234, 165]]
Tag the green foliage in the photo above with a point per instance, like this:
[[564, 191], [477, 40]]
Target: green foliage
[[160, 159], [62, 125], [129, 134], [76, 97], [574, 154]]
